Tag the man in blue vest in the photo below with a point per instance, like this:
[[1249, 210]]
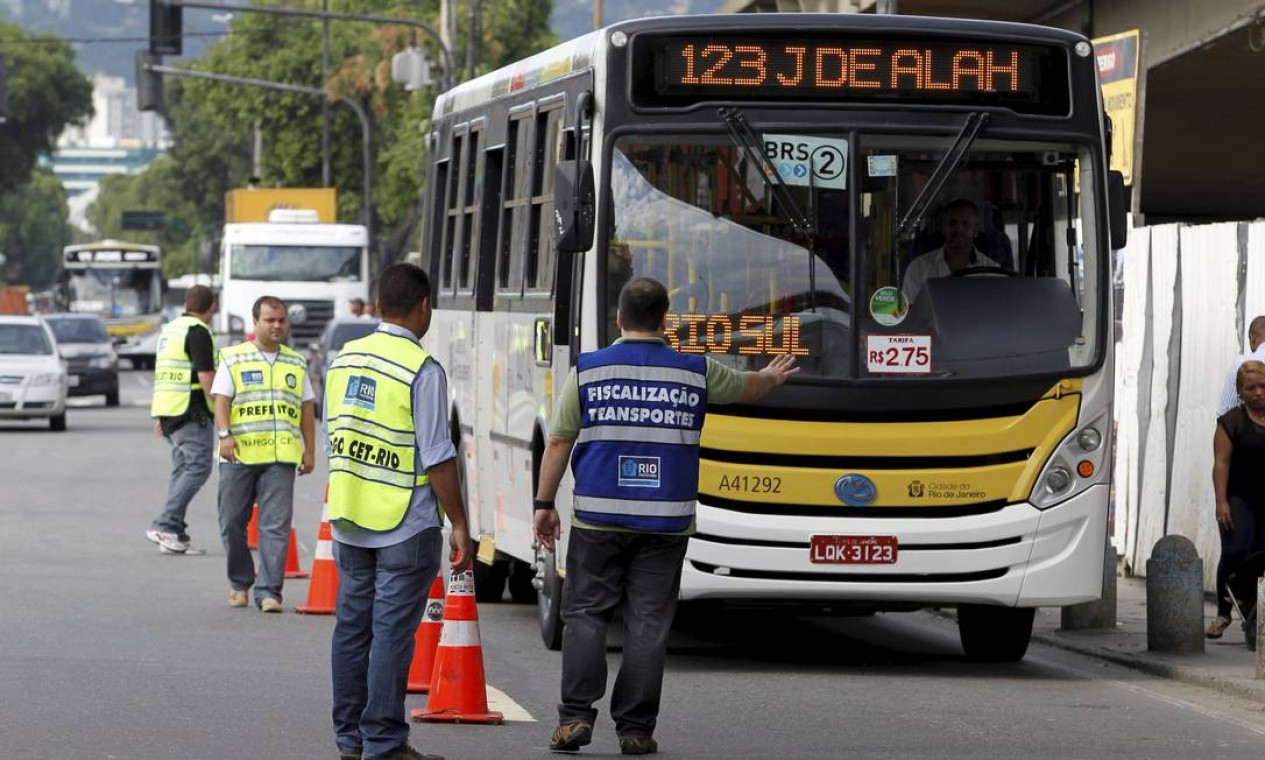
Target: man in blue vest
[[633, 413]]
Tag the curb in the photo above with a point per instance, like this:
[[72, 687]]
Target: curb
[[1250, 690]]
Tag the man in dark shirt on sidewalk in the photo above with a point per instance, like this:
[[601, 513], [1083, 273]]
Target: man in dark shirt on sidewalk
[[183, 370]]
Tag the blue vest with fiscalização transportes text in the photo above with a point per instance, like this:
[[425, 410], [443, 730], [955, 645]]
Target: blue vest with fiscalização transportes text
[[635, 462]]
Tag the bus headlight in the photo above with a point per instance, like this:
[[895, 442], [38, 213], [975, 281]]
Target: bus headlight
[[235, 324], [1076, 464], [101, 362], [1057, 480], [1089, 439]]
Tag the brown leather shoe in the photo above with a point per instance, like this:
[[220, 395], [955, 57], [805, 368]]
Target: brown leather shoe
[[569, 737], [406, 752], [638, 745]]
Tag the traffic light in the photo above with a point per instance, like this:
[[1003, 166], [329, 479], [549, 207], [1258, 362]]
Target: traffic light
[[149, 84], [166, 24]]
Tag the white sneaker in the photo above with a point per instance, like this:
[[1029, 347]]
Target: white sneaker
[[170, 543], [153, 535]]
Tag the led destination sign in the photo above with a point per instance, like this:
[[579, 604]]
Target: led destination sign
[[681, 70], [111, 257]]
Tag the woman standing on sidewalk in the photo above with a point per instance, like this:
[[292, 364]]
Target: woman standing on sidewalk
[[1238, 480]]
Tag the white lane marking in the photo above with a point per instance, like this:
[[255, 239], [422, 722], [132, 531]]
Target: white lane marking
[[143, 379], [1256, 728], [499, 701]]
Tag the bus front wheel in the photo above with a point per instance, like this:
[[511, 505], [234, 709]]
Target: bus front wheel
[[548, 598], [995, 634]]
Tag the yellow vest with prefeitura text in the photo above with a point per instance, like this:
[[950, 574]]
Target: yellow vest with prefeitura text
[[173, 369], [267, 410], [374, 465]]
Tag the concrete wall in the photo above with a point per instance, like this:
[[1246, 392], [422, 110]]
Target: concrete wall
[[1189, 292], [1172, 25]]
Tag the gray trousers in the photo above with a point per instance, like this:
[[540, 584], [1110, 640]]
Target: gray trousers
[[640, 574], [271, 486], [192, 453]]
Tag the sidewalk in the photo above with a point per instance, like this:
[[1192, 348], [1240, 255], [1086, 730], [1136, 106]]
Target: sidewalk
[[1225, 665]]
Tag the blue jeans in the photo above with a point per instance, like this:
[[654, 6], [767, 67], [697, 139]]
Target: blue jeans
[[271, 486], [639, 573], [381, 595], [191, 457]]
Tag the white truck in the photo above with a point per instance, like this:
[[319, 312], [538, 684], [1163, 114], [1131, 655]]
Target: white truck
[[315, 267]]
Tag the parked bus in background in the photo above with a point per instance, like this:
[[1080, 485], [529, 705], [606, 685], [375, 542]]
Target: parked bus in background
[[316, 268], [123, 284], [780, 174]]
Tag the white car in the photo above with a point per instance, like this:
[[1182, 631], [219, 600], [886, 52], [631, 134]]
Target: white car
[[33, 377]]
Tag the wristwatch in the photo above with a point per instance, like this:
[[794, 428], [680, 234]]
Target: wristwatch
[[223, 434]]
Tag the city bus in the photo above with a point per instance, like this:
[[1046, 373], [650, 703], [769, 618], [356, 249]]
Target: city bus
[[122, 283], [780, 174]]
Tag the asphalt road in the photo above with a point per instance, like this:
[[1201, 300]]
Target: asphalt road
[[110, 650]]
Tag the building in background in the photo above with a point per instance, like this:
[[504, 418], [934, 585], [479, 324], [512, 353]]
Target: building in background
[[118, 140]]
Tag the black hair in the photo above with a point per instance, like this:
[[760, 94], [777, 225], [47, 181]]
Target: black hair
[[272, 301], [400, 288], [198, 299], [643, 303]]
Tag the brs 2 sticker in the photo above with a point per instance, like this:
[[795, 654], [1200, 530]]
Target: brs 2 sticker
[[361, 392], [639, 472]]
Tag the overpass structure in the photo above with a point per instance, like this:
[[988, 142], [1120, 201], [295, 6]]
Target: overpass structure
[[1198, 153]]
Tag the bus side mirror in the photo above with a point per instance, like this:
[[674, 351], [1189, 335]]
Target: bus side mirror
[[574, 206], [1117, 210]]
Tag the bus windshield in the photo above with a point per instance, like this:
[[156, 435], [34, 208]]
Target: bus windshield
[[295, 263], [989, 280], [114, 292]]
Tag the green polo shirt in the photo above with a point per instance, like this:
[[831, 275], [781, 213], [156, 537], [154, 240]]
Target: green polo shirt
[[725, 385]]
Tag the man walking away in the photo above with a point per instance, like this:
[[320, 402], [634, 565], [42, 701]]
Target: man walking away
[[183, 372], [635, 488], [263, 404], [391, 464], [1256, 344]]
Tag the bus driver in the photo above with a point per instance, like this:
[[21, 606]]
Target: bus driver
[[958, 252]]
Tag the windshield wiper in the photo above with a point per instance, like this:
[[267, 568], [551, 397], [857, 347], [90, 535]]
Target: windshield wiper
[[948, 163], [747, 142]]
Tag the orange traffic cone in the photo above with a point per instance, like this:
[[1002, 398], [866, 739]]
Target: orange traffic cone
[[293, 569], [322, 592], [252, 529], [458, 693], [426, 638]]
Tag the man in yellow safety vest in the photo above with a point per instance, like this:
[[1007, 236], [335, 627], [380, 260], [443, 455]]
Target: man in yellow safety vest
[[183, 368], [391, 465], [263, 404]]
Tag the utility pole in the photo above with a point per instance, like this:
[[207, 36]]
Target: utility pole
[[325, 170], [886, 7], [474, 42], [597, 14]]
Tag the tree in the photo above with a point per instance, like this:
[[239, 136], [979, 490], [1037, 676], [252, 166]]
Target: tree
[[158, 188], [33, 230], [47, 92], [213, 123]]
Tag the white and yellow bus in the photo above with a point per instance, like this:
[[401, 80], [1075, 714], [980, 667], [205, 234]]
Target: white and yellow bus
[[779, 173], [122, 283]]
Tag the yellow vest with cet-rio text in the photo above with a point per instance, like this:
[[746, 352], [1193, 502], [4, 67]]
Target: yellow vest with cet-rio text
[[374, 464], [174, 377]]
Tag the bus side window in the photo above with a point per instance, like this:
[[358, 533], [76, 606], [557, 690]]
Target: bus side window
[[452, 213], [436, 231], [541, 254], [471, 194]]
